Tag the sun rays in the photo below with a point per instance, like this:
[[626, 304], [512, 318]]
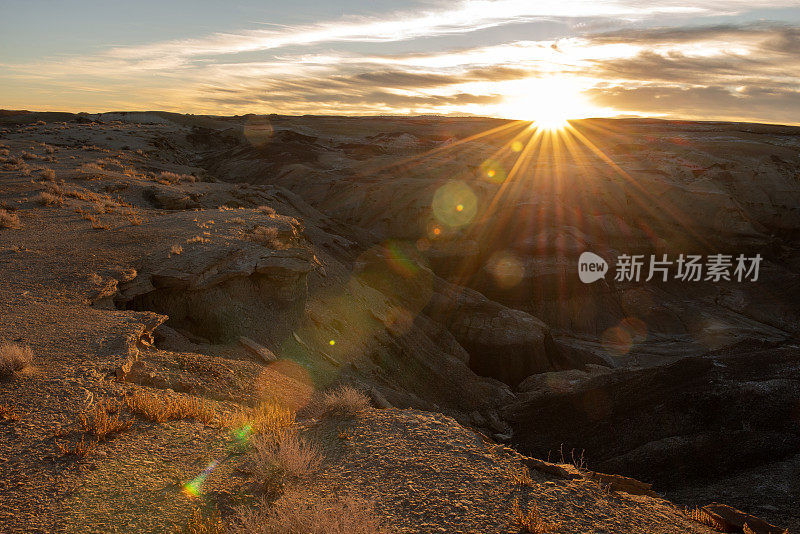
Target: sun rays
[[548, 102], [547, 188]]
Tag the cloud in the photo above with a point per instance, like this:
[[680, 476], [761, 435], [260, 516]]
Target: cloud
[[750, 103], [716, 71], [727, 72]]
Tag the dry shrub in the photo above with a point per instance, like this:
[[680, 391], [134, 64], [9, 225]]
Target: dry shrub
[[522, 477], [8, 413], [84, 447], [90, 169], [266, 235], [103, 420], [167, 177], [97, 224], [267, 210], [530, 521], [48, 199], [48, 174], [299, 513], [345, 400], [9, 220], [81, 448], [703, 517], [160, 408], [14, 358], [203, 523], [134, 217], [287, 451], [237, 220]]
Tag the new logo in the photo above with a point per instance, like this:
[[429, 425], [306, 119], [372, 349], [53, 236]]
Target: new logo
[[591, 267]]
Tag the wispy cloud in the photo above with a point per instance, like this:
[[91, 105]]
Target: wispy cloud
[[720, 70]]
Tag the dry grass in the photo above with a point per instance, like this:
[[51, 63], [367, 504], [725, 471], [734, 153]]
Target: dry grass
[[703, 517], [267, 210], [134, 217], [8, 414], [530, 521], [29, 155], [522, 477], [203, 523], [81, 448], [97, 423], [287, 451], [103, 420], [266, 235], [160, 408], [97, 224], [14, 358], [9, 220], [266, 418], [345, 400], [175, 250], [90, 169], [48, 199], [299, 513], [167, 178]]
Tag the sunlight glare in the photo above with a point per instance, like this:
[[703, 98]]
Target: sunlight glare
[[547, 102]]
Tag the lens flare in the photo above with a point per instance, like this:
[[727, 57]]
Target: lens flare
[[620, 339], [194, 488], [258, 131], [493, 171], [506, 269], [399, 260], [454, 204]]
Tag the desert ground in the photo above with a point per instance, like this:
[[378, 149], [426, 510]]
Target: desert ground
[[375, 324]]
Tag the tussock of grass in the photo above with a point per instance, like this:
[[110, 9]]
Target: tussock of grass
[[160, 408], [530, 521], [267, 210], [203, 523], [134, 218], [345, 400], [522, 477], [9, 220], [48, 199], [14, 358], [294, 456], [268, 417], [297, 513], [103, 420], [703, 517], [8, 413], [266, 235], [91, 169], [167, 177]]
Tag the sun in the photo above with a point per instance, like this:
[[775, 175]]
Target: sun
[[547, 102]]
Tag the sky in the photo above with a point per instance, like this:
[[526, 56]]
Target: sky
[[522, 59]]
